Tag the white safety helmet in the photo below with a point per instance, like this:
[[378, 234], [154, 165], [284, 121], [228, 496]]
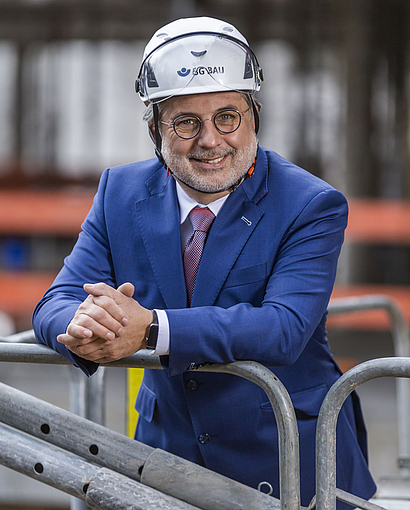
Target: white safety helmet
[[195, 56]]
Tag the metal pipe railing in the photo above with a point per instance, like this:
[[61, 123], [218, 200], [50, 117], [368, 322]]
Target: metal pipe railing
[[133, 459], [258, 374], [100, 488], [401, 345], [400, 328], [87, 395], [276, 392], [326, 492]]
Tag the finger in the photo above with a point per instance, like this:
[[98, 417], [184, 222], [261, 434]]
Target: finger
[[92, 350], [100, 289], [110, 306], [127, 289], [71, 341], [105, 312], [96, 320]]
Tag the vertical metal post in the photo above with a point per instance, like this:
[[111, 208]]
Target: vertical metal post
[[401, 339], [401, 344], [329, 412], [289, 468], [87, 399]]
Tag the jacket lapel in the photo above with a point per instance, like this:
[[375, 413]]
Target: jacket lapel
[[229, 233], [158, 218]]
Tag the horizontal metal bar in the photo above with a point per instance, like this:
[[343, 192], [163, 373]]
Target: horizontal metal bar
[[25, 336], [36, 353], [400, 328]]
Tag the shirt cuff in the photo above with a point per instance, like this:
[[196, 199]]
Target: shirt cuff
[[162, 347]]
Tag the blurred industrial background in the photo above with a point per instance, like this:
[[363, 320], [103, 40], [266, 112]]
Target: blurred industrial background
[[335, 101]]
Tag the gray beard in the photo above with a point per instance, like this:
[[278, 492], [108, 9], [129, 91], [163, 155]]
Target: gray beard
[[210, 181]]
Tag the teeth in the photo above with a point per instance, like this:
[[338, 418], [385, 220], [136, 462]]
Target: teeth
[[216, 160]]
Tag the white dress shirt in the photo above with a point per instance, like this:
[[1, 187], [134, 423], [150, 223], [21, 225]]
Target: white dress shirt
[[186, 204]]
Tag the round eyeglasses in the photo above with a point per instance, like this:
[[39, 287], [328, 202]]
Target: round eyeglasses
[[189, 126]]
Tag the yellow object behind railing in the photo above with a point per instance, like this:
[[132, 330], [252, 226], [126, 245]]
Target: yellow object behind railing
[[134, 379]]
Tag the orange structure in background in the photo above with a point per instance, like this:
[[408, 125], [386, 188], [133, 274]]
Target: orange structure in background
[[379, 221], [30, 213], [35, 213], [375, 222]]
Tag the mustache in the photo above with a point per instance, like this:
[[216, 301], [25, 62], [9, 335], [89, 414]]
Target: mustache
[[211, 154]]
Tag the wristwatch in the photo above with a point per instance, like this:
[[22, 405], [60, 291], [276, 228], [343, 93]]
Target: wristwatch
[[151, 335]]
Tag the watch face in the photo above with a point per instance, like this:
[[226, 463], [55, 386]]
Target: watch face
[[152, 336]]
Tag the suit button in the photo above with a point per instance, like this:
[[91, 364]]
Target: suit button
[[204, 438], [191, 385]]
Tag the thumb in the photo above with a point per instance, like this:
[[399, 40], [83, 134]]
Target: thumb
[[127, 289]]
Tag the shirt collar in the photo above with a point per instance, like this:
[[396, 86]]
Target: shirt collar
[[186, 203]]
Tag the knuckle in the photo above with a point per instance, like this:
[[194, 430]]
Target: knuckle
[[104, 301], [84, 321], [81, 350], [98, 313], [110, 351]]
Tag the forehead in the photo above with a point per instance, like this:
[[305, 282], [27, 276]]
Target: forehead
[[200, 104]]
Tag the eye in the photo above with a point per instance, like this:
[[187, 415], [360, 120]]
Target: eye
[[186, 122], [226, 116]]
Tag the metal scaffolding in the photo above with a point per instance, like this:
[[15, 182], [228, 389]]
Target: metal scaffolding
[[112, 471]]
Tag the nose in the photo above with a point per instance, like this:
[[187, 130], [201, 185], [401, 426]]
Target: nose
[[209, 136]]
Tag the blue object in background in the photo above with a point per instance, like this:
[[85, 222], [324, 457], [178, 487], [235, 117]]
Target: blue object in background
[[14, 254]]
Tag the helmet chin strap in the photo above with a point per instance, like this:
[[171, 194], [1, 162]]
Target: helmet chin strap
[[158, 153], [158, 139], [233, 187]]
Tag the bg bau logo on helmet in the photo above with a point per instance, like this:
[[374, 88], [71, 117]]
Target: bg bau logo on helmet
[[183, 72]]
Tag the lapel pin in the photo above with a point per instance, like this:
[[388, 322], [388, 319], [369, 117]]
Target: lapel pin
[[248, 222]]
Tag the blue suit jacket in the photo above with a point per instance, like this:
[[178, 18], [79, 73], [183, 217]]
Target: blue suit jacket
[[261, 294]]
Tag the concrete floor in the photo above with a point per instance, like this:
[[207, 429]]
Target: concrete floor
[[50, 383]]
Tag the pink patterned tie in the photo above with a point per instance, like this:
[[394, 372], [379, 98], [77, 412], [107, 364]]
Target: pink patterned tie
[[201, 219]]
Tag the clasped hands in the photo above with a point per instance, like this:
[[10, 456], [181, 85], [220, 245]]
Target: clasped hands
[[108, 325]]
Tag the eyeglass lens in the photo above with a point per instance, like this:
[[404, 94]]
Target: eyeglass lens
[[188, 126]]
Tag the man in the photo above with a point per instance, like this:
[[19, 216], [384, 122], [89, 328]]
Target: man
[[273, 234]]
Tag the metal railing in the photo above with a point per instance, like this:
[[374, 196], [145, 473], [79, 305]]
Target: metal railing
[[101, 488], [12, 351], [185, 485], [326, 491], [401, 345]]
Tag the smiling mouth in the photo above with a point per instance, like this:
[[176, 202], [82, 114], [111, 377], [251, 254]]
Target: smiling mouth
[[211, 161], [215, 160]]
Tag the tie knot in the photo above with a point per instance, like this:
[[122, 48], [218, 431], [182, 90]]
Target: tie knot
[[201, 218]]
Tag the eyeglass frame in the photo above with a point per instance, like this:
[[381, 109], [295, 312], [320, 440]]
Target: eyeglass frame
[[172, 124]]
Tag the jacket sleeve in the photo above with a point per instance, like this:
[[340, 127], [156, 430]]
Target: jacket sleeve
[[297, 293], [90, 261]]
